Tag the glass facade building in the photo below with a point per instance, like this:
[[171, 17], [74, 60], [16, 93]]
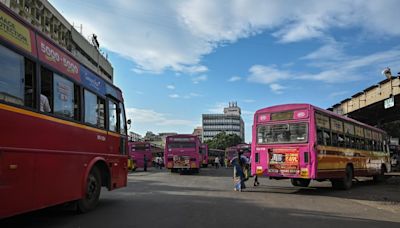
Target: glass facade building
[[230, 122]]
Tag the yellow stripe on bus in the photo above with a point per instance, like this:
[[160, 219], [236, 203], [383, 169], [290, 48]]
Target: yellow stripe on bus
[[53, 119]]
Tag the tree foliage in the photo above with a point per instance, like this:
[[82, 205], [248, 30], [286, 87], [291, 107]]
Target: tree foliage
[[222, 141]]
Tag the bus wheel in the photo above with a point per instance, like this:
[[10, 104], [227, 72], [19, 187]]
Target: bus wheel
[[300, 182], [346, 182], [381, 176], [93, 188]]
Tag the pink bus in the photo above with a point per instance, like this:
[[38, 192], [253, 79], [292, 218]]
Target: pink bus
[[230, 152], [204, 155], [182, 153], [303, 143], [137, 151]]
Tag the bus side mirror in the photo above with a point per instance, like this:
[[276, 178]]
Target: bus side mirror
[[129, 122]]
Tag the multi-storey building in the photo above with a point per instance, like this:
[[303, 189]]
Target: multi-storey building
[[42, 15], [230, 122], [198, 131]]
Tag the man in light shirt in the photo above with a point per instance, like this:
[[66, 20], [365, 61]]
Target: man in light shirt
[[44, 104]]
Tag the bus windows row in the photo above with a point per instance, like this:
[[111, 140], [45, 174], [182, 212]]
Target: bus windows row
[[328, 138], [58, 95]]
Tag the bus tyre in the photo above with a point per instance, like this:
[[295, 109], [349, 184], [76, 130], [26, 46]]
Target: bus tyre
[[298, 182], [381, 176], [93, 188], [346, 182]]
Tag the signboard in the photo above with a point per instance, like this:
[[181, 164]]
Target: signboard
[[16, 33], [282, 116], [56, 58], [388, 103], [92, 81]]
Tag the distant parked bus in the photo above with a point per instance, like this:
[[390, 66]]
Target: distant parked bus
[[245, 149], [303, 142], [204, 155], [137, 151], [212, 153], [230, 152], [182, 153]]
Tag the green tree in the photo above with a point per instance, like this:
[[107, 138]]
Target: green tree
[[222, 141]]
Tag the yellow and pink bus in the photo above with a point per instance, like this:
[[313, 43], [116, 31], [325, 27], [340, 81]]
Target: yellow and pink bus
[[302, 142]]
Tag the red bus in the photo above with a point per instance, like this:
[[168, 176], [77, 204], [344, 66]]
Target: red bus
[[182, 153], [63, 127], [302, 142], [204, 155], [137, 152]]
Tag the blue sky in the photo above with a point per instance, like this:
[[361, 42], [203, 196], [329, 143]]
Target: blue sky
[[175, 60]]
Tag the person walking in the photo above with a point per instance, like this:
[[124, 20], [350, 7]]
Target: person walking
[[160, 162], [238, 163], [216, 162], [145, 163]]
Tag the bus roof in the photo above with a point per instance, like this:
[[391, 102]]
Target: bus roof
[[287, 107]]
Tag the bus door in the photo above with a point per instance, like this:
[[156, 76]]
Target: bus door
[[117, 142]]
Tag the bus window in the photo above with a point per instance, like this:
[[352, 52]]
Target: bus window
[[63, 93], [320, 137], [122, 119], [94, 109], [112, 116], [11, 77], [335, 141], [30, 84], [327, 138], [46, 93], [341, 142]]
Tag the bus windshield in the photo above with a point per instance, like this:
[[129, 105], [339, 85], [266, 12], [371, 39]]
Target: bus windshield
[[282, 133], [181, 145]]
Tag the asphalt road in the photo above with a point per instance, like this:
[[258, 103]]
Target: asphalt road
[[161, 199]]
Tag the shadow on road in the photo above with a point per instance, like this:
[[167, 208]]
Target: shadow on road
[[184, 211], [387, 192]]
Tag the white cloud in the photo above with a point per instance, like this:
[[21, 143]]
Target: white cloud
[[276, 88], [340, 68], [174, 95], [198, 79], [234, 79], [149, 116], [175, 35], [171, 87], [267, 74]]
